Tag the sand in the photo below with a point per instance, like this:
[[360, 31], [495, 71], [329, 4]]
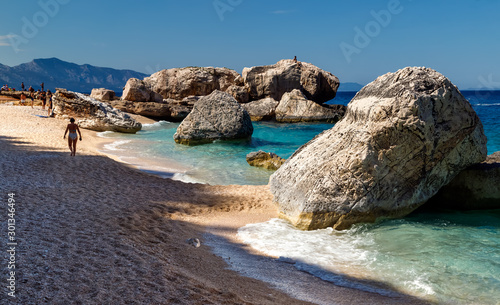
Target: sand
[[91, 230]]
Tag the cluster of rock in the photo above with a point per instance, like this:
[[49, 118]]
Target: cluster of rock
[[92, 114], [265, 159], [404, 137], [171, 94]]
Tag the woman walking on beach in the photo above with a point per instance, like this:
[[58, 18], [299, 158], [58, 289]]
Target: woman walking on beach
[[72, 137]]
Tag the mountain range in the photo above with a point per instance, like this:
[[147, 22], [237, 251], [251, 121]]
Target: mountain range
[[54, 72]]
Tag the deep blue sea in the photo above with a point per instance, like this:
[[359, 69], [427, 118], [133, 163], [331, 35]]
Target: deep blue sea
[[449, 257]]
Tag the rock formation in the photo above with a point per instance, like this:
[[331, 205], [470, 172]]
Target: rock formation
[[217, 116], [475, 188], [261, 110], [264, 159], [404, 136], [102, 94], [287, 75], [295, 107], [94, 115], [179, 83]]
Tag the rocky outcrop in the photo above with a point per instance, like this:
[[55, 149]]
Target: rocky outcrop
[[217, 116], [286, 75], [295, 107], [137, 90], [261, 110], [180, 83], [240, 93], [404, 136], [264, 159], [149, 109], [475, 188], [102, 94], [92, 114]]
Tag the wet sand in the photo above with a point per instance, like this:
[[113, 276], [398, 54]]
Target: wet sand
[[91, 230]]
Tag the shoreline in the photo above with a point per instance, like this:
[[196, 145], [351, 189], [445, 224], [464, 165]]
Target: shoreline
[[94, 229]]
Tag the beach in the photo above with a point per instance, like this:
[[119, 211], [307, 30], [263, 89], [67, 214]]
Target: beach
[[91, 230]]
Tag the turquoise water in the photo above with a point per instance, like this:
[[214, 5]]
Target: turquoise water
[[447, 257]]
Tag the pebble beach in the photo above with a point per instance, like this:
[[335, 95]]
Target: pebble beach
[[92, 230]]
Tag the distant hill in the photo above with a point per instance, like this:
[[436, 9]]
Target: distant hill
[[56, 73], [351, 87]]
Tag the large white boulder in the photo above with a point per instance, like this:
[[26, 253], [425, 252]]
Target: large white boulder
[[403, 137]]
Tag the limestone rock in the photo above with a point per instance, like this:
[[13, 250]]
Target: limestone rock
[[102, 94], [137, 90], [404, 136], [295, 107], [217, 116], [264, 159], [261, 110], [94, 115], [148, 109], [275, 80], [475, 188], [239, 93]]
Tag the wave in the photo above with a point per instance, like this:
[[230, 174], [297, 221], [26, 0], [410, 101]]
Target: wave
[[493, 104], [155, 126], [114, 146]]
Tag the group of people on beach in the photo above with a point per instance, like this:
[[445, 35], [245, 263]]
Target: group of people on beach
[[46, 98]]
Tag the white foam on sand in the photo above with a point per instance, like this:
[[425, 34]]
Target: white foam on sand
[[114, 146], [327, 254], [155, 126]]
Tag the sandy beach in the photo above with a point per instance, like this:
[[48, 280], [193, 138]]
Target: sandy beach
[[91, 230]]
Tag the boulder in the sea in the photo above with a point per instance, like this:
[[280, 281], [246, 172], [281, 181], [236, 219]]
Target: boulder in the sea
[[295, 107], [284, 76], [261, 110], [149, 109], [264, 159], [92, 114], [404, 136], [217, 116], [475, 188], [102, 94], [240, 93]]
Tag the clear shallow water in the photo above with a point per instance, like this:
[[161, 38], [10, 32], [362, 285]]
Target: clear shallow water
[[451, 258]]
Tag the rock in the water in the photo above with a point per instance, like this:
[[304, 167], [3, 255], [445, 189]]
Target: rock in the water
[[404, 136], [102, 94], [137, 90], [261, 110], [148, 109], [240, 93], [264, 159], [94, 115], [475, 188], [217, 116], [284, 76], [295, 107]]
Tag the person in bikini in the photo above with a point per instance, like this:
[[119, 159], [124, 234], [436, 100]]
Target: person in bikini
[[72, 137]]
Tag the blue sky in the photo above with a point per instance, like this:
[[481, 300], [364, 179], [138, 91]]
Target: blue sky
[[355, 40]]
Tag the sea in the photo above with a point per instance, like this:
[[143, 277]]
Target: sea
[[444, 256]]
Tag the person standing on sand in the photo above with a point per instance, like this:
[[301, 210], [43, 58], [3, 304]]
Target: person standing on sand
[[49, 102], [23, 98], [32, 95], [72, 137]]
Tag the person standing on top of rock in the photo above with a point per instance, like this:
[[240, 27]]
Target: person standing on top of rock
[[42, 85], [22, 86]]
